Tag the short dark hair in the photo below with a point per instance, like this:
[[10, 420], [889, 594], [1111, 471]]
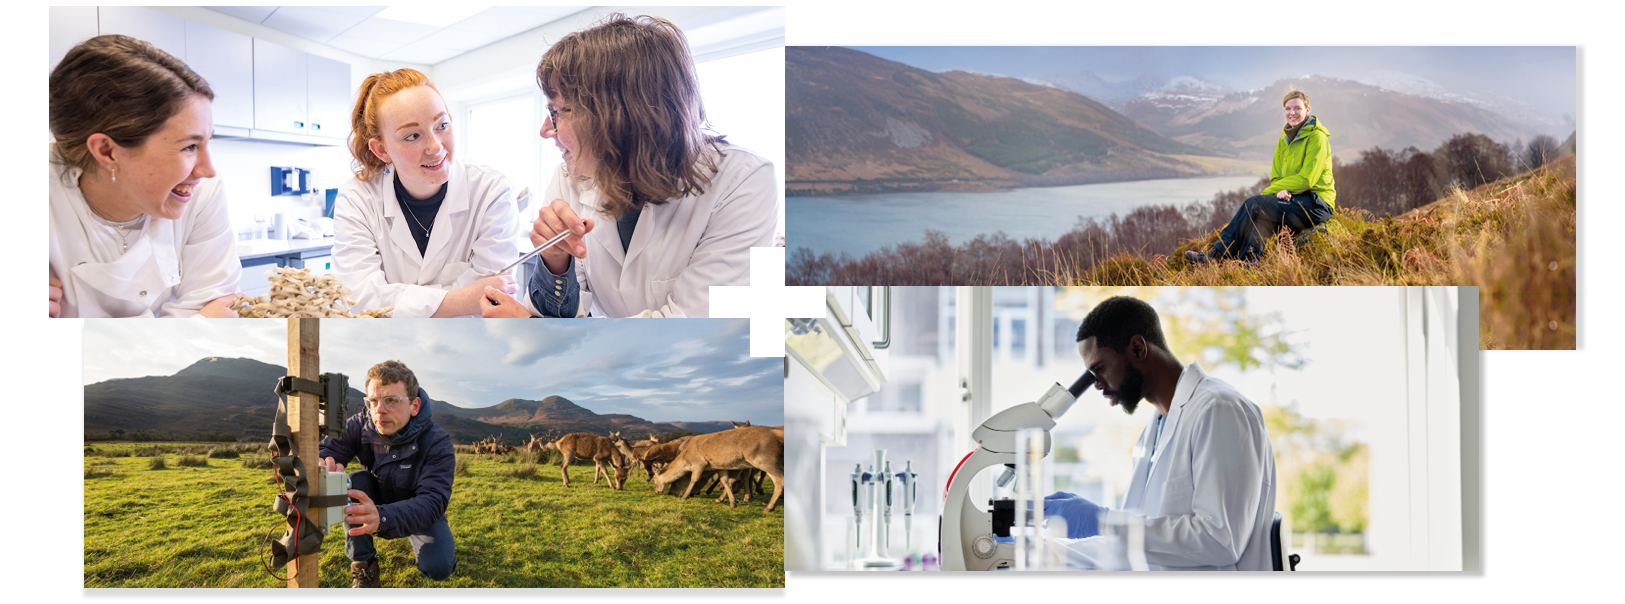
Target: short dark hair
[[394, 372], [1118, 319]]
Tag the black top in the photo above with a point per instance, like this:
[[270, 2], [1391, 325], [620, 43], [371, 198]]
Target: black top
[[420, 213], [625, 224]]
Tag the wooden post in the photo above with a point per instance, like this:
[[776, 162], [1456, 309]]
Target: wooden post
[[304, 337]]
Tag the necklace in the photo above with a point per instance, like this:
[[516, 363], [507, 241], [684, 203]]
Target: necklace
[[122, 229], [414, 216]]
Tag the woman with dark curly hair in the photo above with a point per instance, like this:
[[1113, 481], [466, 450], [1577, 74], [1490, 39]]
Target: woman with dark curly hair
[[684, 207]]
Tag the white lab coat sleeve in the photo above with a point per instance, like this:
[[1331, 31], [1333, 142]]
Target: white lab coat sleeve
[[493, 245], [208, 259], [1226, 449], [359, 263], [743, 219]]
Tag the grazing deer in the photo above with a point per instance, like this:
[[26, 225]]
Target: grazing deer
[[599, 450], [656, 457], [752, 478], [757, 447]]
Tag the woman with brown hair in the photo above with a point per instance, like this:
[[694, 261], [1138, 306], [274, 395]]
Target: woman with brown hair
[[417, 228], [1301, 194], [683, 207], [138, 223]]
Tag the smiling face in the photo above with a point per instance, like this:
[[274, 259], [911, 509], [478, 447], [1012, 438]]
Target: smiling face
[[577, 161], [415, 135], [159, 177], [1296, 112], [390, 419], [1115, 375]]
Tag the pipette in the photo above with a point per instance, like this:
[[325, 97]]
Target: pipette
[[910, 493], [883, 549], [857, 511]]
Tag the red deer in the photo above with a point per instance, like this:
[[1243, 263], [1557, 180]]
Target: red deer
[[656, 457], [599, 450], [759, 447]]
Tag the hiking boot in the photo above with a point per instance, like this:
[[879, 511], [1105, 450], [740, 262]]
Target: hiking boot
[[1195, 257], [365, 574]]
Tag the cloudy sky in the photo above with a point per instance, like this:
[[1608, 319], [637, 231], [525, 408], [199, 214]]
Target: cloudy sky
[[659, 370], [1543, 76]]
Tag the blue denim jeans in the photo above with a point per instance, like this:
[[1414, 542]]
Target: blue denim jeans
[[1260, 217], [434, 548]]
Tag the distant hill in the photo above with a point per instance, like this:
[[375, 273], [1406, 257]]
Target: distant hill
[[234, 396], [1359, 116], [857, 123]]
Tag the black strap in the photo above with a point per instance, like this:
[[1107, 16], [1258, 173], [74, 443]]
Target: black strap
[[289, 383], [295, 486]]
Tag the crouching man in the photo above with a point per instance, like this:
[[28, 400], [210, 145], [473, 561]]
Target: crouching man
[[407, 463]]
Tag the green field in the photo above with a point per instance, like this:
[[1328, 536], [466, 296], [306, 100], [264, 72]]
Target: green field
[[205, 527]]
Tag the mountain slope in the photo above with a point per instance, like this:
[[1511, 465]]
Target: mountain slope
[[856, 122], [1359, 116], [234, 396]]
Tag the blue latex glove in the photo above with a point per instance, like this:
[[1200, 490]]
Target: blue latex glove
[[1081, 515]]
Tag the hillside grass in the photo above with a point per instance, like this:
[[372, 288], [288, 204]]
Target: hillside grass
[[205, 526], [1514, 239]]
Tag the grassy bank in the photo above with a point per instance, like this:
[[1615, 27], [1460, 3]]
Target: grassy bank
[[1514, 239], [191, 526]]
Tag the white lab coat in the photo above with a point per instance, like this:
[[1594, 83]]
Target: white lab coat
[[172, 267], [679, 249], [374, 253], [1208, 491]]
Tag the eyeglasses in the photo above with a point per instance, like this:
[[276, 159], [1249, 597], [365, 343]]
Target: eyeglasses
[[553, 114], [390, 402]]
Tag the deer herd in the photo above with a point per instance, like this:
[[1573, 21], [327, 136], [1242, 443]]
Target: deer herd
[[734, 459]]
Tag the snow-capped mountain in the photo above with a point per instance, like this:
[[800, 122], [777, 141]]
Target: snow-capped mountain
[[1111, 94], [1509, 108]]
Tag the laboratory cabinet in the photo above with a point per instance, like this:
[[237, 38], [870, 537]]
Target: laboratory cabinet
[[329, 94], [167, 32], [280, 100], [226, 61], [297, 92], [262, 90]]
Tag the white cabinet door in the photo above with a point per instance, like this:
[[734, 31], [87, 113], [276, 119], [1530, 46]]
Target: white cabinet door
[[330, 100], [280, 104], [226, 60], [70, 25], [167, 32]]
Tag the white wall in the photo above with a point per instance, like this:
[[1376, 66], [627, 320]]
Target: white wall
[[722, 38], [243, 167]]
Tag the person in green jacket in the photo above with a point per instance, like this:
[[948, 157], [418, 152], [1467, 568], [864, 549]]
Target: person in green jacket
[[1301, 192]]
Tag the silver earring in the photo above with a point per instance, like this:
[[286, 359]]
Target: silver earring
[[115, 174]]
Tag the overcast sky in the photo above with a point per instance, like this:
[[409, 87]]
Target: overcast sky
[[659, 370], [1543, 76]]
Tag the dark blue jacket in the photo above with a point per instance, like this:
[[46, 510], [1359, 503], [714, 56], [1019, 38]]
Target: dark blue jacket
[[414, 478]]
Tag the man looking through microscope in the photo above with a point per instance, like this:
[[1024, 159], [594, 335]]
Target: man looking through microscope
[[1204, 471]]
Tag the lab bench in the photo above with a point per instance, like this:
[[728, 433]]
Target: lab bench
[[260, 255]]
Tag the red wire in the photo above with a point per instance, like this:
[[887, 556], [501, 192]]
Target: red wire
[[299, 517]]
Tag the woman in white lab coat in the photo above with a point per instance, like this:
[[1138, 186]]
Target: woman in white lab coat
[[660, 209], [138, 225], [416, 228]]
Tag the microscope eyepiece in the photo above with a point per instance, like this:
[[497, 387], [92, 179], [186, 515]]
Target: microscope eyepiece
[[1084, 382]]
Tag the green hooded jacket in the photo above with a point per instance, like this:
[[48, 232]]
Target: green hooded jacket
[[1304, 164]]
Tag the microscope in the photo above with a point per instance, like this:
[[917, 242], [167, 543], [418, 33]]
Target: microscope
[[966, 530]]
